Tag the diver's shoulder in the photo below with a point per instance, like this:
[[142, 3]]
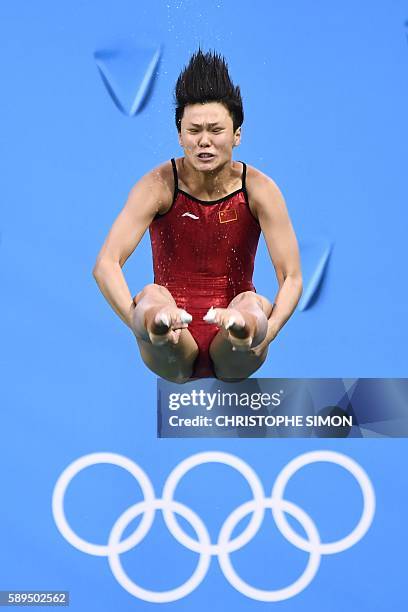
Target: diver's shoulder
[[257, 178], [261, 188], [161, 178], [163, 172]]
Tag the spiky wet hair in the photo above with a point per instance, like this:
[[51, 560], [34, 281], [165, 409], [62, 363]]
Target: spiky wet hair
[[206, 79]]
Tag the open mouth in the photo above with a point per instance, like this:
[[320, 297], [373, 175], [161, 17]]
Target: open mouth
[[205, 156]]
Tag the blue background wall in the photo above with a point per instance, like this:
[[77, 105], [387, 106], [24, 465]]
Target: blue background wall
[[325, 91]]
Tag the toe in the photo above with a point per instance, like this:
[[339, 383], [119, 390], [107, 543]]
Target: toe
[[162, 318], [185, 316], [211, 315]]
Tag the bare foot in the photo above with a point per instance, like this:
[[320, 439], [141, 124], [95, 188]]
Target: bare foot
[[241, 326], [163, 324]]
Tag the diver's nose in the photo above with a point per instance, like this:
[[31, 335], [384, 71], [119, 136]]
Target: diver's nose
[[204, 140]]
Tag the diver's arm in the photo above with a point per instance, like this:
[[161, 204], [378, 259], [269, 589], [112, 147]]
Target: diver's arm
[[270, 209], [145, 200]]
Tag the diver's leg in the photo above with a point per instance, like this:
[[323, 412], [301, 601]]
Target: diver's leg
[[166, 346], [243, 326]]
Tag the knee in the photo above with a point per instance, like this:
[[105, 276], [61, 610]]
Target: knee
[[234, 372], [230, 380], [150, 290], [229, 375], [245, 295], [248, 294], [179, 380]]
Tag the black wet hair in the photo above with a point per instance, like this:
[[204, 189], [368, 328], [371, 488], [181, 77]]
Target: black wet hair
[[206, 79]]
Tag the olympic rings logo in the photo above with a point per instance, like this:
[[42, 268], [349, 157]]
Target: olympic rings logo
[[202, 545]]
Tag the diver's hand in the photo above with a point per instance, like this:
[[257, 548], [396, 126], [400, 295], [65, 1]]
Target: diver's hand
[[260, 348]]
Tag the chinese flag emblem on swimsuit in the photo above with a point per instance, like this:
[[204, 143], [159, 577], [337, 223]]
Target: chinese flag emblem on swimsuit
[[230, 214]]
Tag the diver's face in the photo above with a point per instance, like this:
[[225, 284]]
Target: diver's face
[[207, 135]]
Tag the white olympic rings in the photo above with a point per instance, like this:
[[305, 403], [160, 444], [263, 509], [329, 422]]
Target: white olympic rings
[[202, 545]]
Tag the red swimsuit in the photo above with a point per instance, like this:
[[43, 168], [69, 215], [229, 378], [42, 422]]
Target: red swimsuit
[[204, 252]]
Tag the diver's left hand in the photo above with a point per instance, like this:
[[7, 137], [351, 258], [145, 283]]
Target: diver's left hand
[[260, 348]]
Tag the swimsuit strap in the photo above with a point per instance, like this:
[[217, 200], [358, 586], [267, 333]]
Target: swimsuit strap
[[243, 176], [244, 189], [173, 163]]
